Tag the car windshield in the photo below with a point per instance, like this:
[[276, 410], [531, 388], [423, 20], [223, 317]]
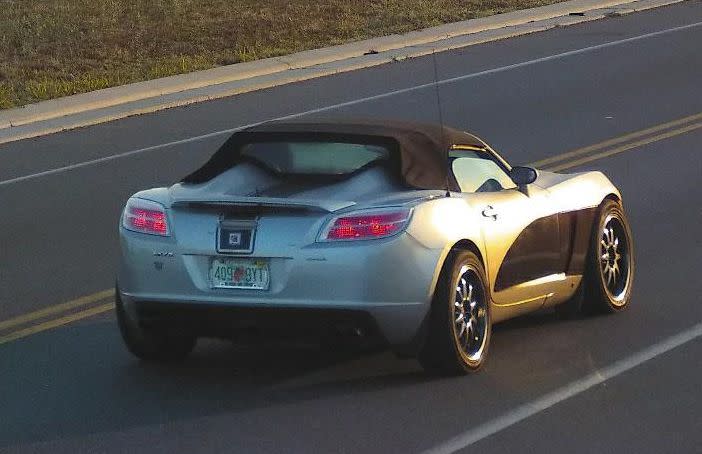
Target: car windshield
[[314, 158]]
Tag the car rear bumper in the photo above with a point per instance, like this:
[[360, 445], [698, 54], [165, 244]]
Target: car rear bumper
[[398, 324], [383, 285]]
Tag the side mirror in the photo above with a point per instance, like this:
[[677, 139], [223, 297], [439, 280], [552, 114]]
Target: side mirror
[[522, 176]]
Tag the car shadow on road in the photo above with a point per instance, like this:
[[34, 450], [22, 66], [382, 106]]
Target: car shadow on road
[[80, 380]]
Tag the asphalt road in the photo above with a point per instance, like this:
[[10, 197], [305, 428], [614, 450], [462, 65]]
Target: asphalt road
[[74, 388]]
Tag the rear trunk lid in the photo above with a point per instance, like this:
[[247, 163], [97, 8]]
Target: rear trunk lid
[[284, 214]]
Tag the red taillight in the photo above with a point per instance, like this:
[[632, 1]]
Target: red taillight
[[366, 226], [146, 217]]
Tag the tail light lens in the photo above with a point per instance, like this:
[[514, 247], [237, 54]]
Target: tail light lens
[[145, 216], [366, 225]]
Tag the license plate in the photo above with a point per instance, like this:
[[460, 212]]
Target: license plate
[[239, 273]]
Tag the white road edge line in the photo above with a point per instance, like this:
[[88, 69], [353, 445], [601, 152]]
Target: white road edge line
[[547, 401], [352, 103]]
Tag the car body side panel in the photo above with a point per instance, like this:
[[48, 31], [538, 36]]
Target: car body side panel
[[573, 192], [555, 244], [441, 223], [535, 253], [536, 257], [567, 226], [576, 197], [513, 212], [576, 229]]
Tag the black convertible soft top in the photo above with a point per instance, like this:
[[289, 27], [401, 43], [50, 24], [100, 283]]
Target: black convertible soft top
[[421, 148]]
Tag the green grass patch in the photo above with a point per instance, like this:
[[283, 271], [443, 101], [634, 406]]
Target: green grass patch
[[54, 48]]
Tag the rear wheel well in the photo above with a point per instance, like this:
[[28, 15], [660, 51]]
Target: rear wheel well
[[467, 245], [462, 245], [413, 347]]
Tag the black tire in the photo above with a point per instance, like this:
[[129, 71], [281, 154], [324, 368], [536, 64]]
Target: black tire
[[151, 345], [605, 290], [448, 350]]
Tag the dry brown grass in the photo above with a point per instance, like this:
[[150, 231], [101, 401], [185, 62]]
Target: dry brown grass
[[53, 48]]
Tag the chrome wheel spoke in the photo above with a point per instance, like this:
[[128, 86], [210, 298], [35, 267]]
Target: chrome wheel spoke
[[463, 328]]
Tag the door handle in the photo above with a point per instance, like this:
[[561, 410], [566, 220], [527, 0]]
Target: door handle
[[490, 212]]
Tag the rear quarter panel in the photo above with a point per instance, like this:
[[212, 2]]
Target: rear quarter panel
[[441, 223]]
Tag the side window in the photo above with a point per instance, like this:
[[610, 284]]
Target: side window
[[475, 171]]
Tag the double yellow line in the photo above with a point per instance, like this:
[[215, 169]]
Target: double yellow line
[[44, 319], [620, 144], [90, 305]]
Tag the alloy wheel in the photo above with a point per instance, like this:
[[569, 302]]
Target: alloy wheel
[[470, 314], [615, 258]]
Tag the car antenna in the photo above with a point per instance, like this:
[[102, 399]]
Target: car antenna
[[441, 117]]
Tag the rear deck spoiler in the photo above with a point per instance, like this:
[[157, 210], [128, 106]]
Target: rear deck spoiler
[[266, 202]]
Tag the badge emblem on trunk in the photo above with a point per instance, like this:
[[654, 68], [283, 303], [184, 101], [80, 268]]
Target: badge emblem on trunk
[[234, 238]]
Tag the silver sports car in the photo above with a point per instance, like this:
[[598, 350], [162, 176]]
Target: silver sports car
[[420, 235]]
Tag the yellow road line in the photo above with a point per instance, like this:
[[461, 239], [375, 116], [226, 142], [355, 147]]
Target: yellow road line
[[56, 322], [623, 148], [617, 140], [63, 307]]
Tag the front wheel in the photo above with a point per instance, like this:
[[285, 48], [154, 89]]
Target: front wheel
[[459, 322], [610, 269], [150, 344]]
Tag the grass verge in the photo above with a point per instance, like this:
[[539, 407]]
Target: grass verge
[[54, 48]]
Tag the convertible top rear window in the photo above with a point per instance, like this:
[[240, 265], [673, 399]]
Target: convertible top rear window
[[314, 158], [415, 152]]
